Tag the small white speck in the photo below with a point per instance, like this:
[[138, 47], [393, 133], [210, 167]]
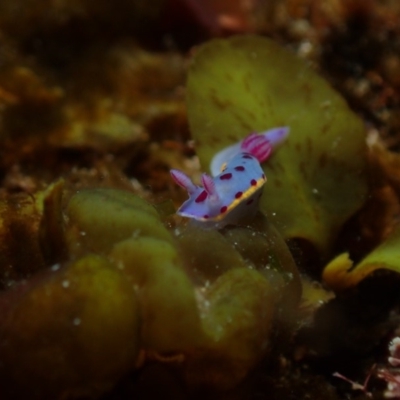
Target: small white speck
[[82, 233], [136, 233], [336, 142], [135, 287], [65, 284], [219, 329], [305, 49], [315, 191], [55, 267], [326, 104], [273, 214], [76, 321]]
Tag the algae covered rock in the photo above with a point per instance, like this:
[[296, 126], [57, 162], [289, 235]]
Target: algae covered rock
[[70, 331], [19, 224], [316, 180], [31, 232]]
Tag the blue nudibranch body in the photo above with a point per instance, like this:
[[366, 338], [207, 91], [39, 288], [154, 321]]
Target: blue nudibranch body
[[233, 190]]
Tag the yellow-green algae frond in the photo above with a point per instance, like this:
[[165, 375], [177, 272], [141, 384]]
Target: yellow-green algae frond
[[127, 288], [341, 273], [316, 180]]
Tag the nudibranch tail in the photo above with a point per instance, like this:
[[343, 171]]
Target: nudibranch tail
[[276, 135], [183, 180]]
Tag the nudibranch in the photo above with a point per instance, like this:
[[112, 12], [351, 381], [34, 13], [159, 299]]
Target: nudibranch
[[233, 191]]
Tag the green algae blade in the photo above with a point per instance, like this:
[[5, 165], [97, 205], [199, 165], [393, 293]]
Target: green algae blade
[[69, 332], [98, 218], [316, 180], [170, 319], [340, 273]]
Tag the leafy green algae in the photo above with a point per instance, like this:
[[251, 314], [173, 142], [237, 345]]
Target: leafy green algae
[[258, 246], [99, 218], [168, 306], [262, 247], [341, 274], [181, 282], [316, 180], [237, 318], [248, 282], [211, 297], [71, 331]]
